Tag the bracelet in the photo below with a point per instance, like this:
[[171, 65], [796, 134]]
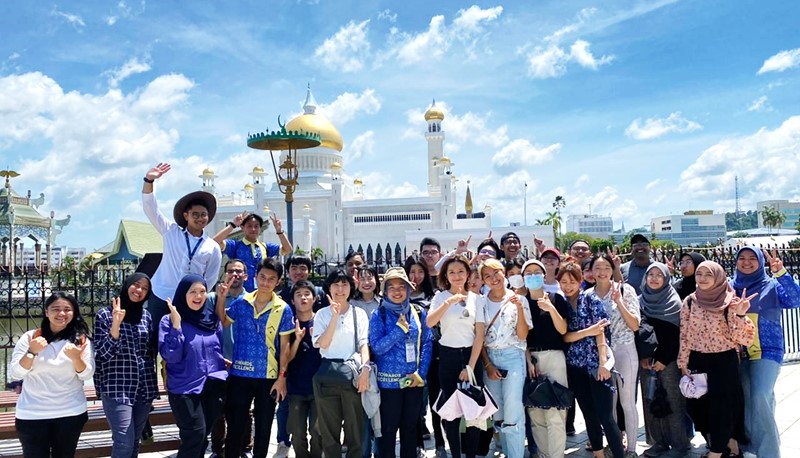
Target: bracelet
[[741, 316], [279, 233], [231, 224], [365, 366], [146, 180], [283, 373]]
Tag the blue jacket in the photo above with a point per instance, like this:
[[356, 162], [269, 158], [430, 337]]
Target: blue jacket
[[387, 340]]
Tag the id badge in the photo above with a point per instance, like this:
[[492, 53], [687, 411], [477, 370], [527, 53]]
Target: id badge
[[411, 354]]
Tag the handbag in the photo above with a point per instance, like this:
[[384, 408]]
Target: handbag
[[340, 371], [646, 340], [694, 386], [543, 393], [472, 402]]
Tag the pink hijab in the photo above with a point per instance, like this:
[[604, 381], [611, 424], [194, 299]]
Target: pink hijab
[[719, 296]]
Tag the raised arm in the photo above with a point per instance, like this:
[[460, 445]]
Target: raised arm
[[149, 204], [286, 245]]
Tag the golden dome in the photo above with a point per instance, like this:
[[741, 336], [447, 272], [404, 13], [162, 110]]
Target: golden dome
[[208, 172], [358, 182], [248, 187], [445, 161], [336, 166], [258, 169], [434, 113], [313, 123]]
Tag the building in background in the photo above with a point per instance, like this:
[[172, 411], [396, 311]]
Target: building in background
[[791, 210], [597, 226], [695, 227]]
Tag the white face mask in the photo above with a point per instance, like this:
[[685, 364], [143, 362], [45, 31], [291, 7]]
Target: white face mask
[[516, 281]]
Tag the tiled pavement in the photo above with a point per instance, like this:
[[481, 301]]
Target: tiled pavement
[[787, 392]]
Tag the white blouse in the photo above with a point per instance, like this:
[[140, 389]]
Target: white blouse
[[503, 332], [458, 322]]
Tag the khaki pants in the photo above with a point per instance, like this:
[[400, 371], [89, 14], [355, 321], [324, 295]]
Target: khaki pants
[[549, 424]]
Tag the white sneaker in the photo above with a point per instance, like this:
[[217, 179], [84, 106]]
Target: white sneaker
[[282, 451]]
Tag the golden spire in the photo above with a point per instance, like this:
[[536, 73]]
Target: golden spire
[[8, 173], [468, 203]]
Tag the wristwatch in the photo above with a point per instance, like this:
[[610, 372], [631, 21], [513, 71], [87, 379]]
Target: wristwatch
[[231, 224], [30, 355]]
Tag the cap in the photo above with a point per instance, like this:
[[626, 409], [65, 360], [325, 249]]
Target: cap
[[639, 238], [551, 251], [508, 235]]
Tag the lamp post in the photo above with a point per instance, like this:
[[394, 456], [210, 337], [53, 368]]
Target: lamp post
[[286, 174]]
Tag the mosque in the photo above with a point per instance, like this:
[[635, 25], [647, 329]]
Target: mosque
[[332, 214]]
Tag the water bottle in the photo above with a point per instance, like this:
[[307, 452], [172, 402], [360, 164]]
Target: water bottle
[[652, 384]]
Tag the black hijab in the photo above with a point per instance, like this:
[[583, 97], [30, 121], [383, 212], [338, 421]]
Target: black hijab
[[204, 319], [687, 285], [133, 310]]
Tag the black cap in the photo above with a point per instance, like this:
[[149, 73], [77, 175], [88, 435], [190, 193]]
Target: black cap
[[639, 238], [255, 217], [508, 235]]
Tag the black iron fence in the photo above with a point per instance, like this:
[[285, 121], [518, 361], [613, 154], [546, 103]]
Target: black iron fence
[[22, 296]]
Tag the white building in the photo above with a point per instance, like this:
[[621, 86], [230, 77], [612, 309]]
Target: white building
[[595, 225], [331, 213], [791, 210], [691, 228], [58, 254]]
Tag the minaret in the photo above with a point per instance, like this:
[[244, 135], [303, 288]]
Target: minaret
[[337, 243], [435, 137], [468, 203], [259, 187], [208, 179]]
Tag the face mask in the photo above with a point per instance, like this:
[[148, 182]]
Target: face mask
[[516, 281], [534, 281]]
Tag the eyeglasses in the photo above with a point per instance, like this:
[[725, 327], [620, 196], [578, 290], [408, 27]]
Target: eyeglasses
[[486, 251], [234, 271], [430, 252], [640, 245], [656, 275], [580, 248], [197, 215], [550, 259]]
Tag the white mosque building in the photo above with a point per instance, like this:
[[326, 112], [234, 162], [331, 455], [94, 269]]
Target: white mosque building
[[334, 215]]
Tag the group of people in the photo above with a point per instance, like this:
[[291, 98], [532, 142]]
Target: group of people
[[367, 355]]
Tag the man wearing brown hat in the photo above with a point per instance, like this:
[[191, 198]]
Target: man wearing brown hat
[[187, 248]]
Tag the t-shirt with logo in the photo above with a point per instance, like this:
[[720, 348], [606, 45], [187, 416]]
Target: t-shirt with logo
[[256, 336]]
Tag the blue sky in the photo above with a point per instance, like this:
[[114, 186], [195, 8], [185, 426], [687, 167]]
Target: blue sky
[[637, 109]]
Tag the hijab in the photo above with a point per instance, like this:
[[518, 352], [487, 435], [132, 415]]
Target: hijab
[[687, 285], [400, 309], [756, 282], [662, 303], [204, 319], [720, 294], [133, 310]]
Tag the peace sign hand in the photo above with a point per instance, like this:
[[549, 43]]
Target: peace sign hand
[[174, 316], [616, 292], [237, 220], [276, 223], [299, 331], [614, 255], [117, 312], [775, 263], [223, 287], [545, 304], [335, 307], [671, 265], [462, 245], [740, 305]]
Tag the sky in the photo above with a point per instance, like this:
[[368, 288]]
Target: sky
[[633, 109]]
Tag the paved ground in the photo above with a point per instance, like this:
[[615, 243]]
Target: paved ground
[[787, 393]]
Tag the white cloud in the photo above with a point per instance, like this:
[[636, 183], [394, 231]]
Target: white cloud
[[521, 153], [388, 15], [467, 128], [583, 179], [379, 185], [782, 61], [347, 50], [767, 163], [131, 67], [347, 105], [652, 184], [760, 104], [96, 141], [468, 27], [580, 19], [363, 145], [235, 139], [74, 19], [551, 61], [656, 127]]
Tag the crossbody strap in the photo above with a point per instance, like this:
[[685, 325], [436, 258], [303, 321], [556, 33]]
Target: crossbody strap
[[494, 318], [355, 329]]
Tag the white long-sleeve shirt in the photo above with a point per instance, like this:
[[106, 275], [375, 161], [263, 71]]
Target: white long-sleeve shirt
[[51, 388], [175, 262]]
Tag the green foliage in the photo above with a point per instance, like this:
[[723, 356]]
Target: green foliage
[[795, 243], [772, 218], [740, 235], [746, 220]]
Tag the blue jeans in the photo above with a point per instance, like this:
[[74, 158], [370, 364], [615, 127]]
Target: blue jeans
[[758, 383], [507, 393], [282, 417], [127, 423]]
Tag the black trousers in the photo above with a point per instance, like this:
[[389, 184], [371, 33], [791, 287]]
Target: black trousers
[[339, 405], [195, 415], [243, 391], [302, 421], [56, 437], [597, 403], [399, 411], [433, 385], [451, 362]]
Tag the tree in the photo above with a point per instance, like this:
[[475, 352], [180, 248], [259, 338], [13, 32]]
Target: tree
[[558, 203], [797, 226], [772, 218], [317, 254], [555, 220]]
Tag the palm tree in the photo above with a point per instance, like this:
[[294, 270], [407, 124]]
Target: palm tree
[[558, 203], [554, 218], [772, 218], [797, 226]]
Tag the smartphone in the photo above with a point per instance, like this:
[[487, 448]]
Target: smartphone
[[503, 372], [406, 382]]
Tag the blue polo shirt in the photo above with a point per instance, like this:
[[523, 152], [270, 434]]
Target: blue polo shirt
[[253, 332], [251, 254]]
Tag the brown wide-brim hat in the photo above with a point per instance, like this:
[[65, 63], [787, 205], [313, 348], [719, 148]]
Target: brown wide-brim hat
[[207, 199]]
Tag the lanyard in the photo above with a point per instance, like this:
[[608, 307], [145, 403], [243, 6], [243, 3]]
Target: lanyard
[[190, 251]]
